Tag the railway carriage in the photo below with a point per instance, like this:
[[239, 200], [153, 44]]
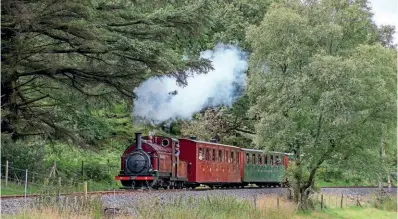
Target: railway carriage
[[264, 169], [211, 164]]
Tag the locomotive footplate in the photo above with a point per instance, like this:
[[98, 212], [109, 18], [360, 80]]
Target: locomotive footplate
[[137, 178]]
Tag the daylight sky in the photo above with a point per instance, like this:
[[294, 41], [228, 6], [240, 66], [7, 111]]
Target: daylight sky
[[385, 12]]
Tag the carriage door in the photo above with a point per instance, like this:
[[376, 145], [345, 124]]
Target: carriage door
[[174, 161]]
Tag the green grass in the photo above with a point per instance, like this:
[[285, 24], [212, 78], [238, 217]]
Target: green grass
[[15, 189], [321, 183], [349, 213]]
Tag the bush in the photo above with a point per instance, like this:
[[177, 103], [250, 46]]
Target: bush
[[23, 155], [385, 202]]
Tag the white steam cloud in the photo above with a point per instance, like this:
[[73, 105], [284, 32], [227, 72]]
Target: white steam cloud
[[218, 87]]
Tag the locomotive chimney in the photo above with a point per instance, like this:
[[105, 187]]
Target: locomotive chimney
[[138, 141]]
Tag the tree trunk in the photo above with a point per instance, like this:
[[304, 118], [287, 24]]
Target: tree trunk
[[382, 155], [9, 104], [389, 182]]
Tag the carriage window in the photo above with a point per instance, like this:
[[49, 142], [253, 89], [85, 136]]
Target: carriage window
[[277, 160], [232, 157], [226, 157], [200, 154], [254, 158], [266, 159], [207, 154], [260, 159], [214, 155], [220, 156], [272, 160], [247, 158], [237, 157]]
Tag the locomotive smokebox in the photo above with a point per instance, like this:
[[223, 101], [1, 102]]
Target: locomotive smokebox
[[138, 141]]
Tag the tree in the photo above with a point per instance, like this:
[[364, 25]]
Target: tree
[[318, 88], [231, 125], [60, 57]]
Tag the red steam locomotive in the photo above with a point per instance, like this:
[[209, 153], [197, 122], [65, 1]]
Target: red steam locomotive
[[163, 162]]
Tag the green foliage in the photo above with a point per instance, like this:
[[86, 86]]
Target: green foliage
[[386, 203], [229, 125], [22, 155], [318, 89], [62, 59]]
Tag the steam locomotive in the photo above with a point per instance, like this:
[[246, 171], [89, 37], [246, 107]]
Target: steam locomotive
[[163, 162]]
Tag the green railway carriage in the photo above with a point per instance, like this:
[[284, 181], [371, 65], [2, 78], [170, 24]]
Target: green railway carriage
[[264, 169]]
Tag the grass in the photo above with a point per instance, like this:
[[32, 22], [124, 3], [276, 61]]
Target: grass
[[342, 182], [263, 207], [17, 189], [349, 213], [13, 188]]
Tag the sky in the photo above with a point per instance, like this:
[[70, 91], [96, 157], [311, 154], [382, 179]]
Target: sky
[[385, 12]]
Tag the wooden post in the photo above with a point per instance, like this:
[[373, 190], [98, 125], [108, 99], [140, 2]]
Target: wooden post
[[336, 200], [6, 172], [109, 168], [82, 170], [59, 187], [330, 203], [85, 189], [277, 202], [321, 201], [26, 182], [341, 202]]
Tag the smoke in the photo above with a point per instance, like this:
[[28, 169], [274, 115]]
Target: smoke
[[156, 99]]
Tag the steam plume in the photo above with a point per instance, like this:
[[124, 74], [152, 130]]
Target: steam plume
[[156, 101]]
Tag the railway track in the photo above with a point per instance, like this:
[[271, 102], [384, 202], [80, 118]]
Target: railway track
[[132, 191]]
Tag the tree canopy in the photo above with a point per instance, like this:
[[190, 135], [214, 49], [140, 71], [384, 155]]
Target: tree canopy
[[318, 87], [58, 55]]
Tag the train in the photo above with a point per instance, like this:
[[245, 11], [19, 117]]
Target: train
[[169, 163]]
